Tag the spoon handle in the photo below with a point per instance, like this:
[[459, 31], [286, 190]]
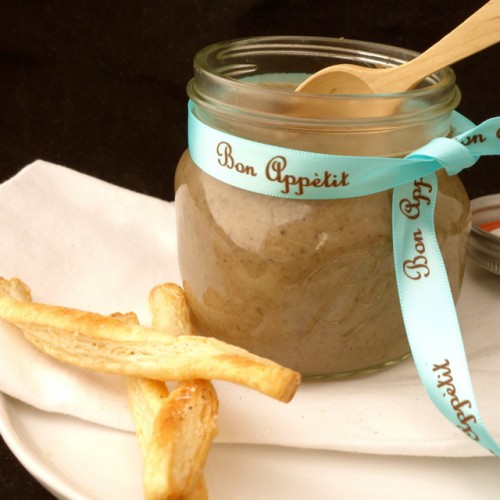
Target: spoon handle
[[479, 31]]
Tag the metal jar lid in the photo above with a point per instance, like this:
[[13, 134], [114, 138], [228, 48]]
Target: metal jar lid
[[484, 243]]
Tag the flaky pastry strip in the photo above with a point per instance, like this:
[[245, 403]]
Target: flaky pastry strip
[[106, 344], [174, 430], [182, 435], [176, 439], [165, 423], [169, 309], [16, 289], [142, 413]]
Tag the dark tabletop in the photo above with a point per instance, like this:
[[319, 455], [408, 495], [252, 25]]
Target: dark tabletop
[[99, 86]]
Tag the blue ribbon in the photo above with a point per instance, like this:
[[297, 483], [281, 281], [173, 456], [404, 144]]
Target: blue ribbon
[[429, 312], [426, 302]]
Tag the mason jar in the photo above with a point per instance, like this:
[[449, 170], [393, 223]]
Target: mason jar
[[308, 283]]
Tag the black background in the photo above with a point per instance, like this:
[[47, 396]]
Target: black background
[[99, 86]]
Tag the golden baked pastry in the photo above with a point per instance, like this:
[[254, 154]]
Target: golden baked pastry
[[108, 344]]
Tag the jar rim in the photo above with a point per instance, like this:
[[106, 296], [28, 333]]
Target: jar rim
[[224, 71]]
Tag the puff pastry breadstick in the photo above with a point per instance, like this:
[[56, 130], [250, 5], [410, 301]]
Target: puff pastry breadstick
[[107, 344], [169, 309], [175, 438], [175, 430]]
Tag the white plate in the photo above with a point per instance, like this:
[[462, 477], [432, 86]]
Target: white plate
[[77, 460]]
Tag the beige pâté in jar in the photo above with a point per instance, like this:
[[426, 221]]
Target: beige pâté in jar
[[308, 283]]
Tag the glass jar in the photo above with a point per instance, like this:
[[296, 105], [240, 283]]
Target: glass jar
[[308, 283]]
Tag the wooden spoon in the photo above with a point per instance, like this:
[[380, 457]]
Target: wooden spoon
[[476, 33]]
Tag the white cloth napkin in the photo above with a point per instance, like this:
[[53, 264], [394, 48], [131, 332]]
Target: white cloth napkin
[[80, 242]]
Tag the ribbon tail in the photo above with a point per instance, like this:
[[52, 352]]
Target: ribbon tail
[[429, 311]]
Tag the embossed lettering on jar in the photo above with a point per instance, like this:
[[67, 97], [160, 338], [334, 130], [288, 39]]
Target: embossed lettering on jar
[[308, 283]]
